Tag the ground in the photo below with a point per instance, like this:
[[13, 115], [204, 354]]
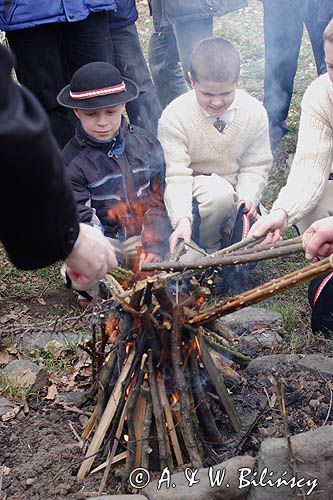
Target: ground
[[40, 445]]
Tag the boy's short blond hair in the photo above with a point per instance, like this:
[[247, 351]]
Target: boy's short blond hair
[[328, 32], [215, 59]]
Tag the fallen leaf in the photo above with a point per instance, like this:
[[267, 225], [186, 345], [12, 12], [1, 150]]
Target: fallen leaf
[[4, 358], [41, 301], [51, 392], [10, 414]]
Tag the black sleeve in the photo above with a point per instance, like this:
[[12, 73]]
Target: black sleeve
[[39, 222]]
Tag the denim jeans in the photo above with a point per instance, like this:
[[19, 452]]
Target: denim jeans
[[49, 54], [283, 30], [168, 48], [128, 57]]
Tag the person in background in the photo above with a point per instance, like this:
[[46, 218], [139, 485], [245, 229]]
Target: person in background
[[128, 57], [308, 194], [40, 225], [178, 28], [216, 146], [283, 31], [51, 40]]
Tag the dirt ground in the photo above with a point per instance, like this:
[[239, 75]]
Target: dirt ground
[[43, 455]]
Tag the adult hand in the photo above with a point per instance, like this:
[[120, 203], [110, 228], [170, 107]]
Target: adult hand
[[320, 241], [183, 231], [91, 258], [249, 208], [274, 223]]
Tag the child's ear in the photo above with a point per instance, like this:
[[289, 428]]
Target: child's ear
[[76, 112], [123, 107], [190, 79]]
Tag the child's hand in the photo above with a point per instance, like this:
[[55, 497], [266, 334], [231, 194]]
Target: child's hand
[[183, 231], [321, 240], [250, 209], [149, 257], [274, 223]]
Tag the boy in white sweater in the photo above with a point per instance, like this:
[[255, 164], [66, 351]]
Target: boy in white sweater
[[308, 194], [216, 144]]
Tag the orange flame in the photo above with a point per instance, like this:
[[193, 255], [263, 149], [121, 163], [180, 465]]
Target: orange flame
[[174, 398]]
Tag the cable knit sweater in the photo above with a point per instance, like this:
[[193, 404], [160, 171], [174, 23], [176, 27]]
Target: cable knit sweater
[[191, 144], [312, 163]]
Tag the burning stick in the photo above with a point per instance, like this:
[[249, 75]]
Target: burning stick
[[260, 253], [177, 363], [158, 413], [218, 383], [106, 419], [267, 290]]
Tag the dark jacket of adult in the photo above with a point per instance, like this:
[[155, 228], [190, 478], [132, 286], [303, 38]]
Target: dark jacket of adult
[[120, 185], [125, 15], [171, 11], [39, 223], [19, 14]]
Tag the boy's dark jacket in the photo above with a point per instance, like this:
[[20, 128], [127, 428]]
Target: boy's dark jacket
[[125, 191]]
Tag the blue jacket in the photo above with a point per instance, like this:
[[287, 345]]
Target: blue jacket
[[19, 14], [125, 15]]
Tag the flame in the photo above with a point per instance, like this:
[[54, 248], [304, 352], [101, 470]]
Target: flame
[[129, 217], [112, 325], [174, 398], [146, 376]]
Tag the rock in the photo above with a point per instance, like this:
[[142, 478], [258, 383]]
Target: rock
[[5, 406], [203, 489], [253, 318], [314, 453], [30, 481], [120, 497], [47, 341], [83, 419], [314, 362], [76, 398], [26, 374], [267, 338], [268, 363]]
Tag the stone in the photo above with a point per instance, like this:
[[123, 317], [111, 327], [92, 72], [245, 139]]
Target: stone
[[120, 497], [5, 406], [46, 341], [266, 364], [26, 374], [267, 339], [30, 481], [314, 453], [314, 362], [76, 398], [249, 319], [228, 490]]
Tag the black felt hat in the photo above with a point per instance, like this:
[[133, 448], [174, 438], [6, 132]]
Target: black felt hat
[[320, 295], [97, 85]]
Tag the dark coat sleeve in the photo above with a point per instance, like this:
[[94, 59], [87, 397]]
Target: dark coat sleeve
[[39, 222], [156, 227]]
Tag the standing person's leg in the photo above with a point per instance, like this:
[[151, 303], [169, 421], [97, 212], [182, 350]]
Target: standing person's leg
[[164, 65], [129, 59], [39, 67], [87, 41], [315, 28], [283, 30], [188, 34]]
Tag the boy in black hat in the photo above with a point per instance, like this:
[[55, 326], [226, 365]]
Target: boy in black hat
[[117, 171]]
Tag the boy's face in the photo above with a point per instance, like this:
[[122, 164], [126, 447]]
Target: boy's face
[[102, 124], [328, 49], [214, 97]]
